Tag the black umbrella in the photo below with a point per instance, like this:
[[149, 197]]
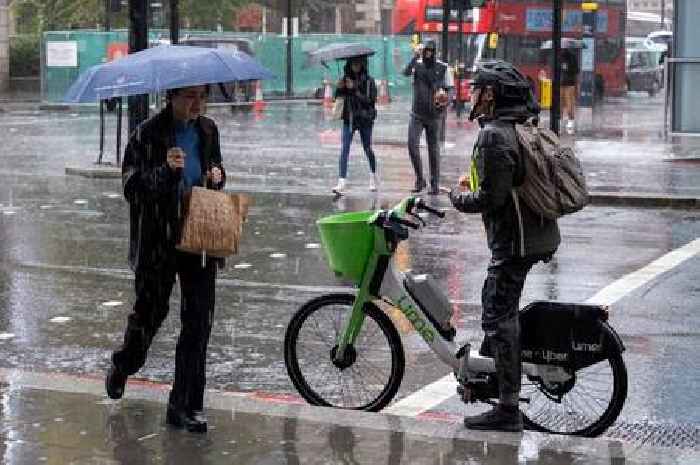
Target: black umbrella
[[337, 52]]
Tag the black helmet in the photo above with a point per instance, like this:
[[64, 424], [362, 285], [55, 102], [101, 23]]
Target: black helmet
[[508, 83]]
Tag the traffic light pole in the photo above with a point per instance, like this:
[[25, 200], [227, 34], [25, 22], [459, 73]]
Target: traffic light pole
[[174, 23], [588, 89], [555, 112], [445, 29], [138, 40], [290, 50]]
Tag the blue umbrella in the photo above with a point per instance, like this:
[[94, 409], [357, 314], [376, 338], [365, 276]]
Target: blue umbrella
[[161, 68]]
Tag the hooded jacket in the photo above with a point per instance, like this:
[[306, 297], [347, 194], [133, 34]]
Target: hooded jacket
[[360, 101], [513, 230], [153, 189], [428, 77]]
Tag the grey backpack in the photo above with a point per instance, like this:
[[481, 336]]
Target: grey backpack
[[554, 184]]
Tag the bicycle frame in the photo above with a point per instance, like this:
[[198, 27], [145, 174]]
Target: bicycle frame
[[381, 269]]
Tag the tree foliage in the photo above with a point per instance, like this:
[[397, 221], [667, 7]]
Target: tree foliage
[[47, 15]]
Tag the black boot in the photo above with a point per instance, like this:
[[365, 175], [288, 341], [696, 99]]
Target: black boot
[[419, 186], [115, 382], [192, 421], [499, 418]]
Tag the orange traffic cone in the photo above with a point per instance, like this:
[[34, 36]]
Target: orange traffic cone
[[259, 104], [327, 94], [383, 96]]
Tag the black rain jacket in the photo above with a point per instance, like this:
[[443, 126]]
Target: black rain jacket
[[359, 108], [152, 188], [513, 230]]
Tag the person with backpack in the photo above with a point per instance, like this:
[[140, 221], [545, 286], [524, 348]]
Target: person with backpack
[[359, 93], [517, 236]]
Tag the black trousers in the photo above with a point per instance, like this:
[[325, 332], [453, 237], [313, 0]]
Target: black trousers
[[500, 298], [153, 289], [432, 127]]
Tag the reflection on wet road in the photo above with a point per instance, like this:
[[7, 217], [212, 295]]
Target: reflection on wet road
[[65, 289]]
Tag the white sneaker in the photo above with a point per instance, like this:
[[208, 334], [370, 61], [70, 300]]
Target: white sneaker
[[570, 127], [373, 181], [339, 189]]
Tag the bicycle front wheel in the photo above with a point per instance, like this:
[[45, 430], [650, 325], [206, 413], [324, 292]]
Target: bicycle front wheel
[[371, 371]]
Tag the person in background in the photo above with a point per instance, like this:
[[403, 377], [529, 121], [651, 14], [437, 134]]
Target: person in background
[[569, 85], [359, 92], [431, 81]]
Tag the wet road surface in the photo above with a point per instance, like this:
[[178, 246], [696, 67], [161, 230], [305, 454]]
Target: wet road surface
[[48, 427], [65, 288]]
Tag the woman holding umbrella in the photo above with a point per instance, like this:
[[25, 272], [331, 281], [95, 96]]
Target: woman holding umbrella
[[359, 92]]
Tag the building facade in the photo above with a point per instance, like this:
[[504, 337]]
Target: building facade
[[651, 6]]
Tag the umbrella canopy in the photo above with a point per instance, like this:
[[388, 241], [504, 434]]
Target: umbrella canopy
[[161, 68], [337, 52], [566, 42]]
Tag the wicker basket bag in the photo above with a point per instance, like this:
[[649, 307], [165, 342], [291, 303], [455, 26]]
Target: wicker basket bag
[[212, 222]]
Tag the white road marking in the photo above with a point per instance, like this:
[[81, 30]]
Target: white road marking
[[444, 388], [632, 281]]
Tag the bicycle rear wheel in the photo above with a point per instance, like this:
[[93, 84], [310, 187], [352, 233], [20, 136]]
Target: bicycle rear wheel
[[586, 405], [371, 372]]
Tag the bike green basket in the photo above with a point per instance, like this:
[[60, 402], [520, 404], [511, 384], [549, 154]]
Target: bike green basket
[[348, 241]]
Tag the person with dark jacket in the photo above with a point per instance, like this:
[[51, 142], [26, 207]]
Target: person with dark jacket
[[517, 237], [431, 81], [359, 92], [165, 157], [569, 84]]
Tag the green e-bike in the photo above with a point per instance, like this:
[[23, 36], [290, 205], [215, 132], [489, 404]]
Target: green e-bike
[[344, 351]]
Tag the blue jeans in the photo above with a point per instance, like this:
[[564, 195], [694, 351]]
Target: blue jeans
[[346, 140]]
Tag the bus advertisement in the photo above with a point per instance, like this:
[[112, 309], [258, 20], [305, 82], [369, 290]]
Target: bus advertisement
[[516, 30]]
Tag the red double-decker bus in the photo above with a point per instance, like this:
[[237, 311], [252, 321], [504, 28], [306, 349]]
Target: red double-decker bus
[[518, 29]]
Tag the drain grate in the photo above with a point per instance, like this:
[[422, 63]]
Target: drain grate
[[681, 436]]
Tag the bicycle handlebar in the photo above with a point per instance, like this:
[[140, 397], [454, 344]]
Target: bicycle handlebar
[[410, 224], [420, 204]]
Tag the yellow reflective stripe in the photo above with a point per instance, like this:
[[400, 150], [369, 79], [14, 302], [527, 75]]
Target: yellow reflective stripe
[[473, 174]]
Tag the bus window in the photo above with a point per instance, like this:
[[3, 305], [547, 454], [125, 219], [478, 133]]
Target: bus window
[[520, 50], [608, 50]]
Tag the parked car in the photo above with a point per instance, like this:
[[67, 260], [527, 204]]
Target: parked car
[[240, 91], [644, 73]]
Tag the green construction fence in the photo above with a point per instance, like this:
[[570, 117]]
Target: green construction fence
[[392, 54]]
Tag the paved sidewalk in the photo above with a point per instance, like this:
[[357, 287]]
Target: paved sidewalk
[[67, 420]]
